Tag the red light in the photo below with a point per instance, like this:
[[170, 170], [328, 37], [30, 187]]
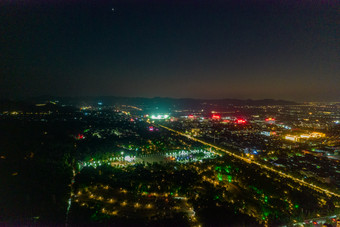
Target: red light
[[315, 223], [240, 121], [151, 128], [131, 120], [216, 117], [80, 137], [191, 116], [270, 119], [226, 121]]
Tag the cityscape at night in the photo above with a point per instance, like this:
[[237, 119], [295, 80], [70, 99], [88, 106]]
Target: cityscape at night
[[170, 113]]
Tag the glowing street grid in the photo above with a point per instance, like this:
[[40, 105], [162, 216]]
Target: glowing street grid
[[168, 175]]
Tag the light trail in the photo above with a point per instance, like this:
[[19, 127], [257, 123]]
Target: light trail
[[297, 180]]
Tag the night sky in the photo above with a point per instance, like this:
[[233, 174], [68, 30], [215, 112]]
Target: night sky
[[190, 49]]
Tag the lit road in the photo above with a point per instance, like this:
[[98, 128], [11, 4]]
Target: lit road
[[69, 201], [319, 220], [282, 174]]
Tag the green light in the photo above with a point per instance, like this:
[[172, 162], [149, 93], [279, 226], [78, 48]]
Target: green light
[[296, 206], [266, 199], [227, 169]]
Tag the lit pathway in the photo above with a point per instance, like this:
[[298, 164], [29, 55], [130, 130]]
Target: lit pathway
[[282, 174], [69, 202]]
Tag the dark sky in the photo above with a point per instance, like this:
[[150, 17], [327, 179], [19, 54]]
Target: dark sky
[[199, 49]]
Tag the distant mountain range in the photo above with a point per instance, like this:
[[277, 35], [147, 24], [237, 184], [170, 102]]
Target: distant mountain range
[[111, 100], [163, 103], [30, 106]]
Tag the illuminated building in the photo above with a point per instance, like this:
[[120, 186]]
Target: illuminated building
[[292, 138], [240, 121], [216, 117], [191, 116], [312, 135], [305, 136], [270, 120], [268, 133], [159, 116]]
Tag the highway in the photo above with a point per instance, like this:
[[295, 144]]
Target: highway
[[282, 174]]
